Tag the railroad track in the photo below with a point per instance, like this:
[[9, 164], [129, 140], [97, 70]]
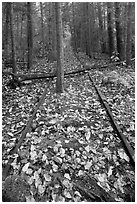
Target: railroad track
[[128, 149]]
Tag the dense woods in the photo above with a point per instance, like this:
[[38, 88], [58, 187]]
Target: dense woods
[[59, 132], [94, 27]]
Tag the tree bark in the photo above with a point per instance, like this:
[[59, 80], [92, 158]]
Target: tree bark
[[119, 31], [6, 30], [60, 70], [128, 44], [74, 29], [42, 28], [30, 38], [101, 31], [110, 28], [12, 39]]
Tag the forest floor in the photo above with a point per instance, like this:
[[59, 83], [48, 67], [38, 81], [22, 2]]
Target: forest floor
[[71, 144]]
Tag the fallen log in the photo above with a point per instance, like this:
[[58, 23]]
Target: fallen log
[[42, 75], [87, 67]]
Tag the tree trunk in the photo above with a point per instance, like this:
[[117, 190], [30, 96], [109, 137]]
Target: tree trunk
[[6, 31], [110, 28], [60, 70], [74, 29], [42, 28], [86, 27], [128, 44], [21, 44], [30, 38], [125, 28], [119, 31], [54, 35], [12, 39], [101, 33]]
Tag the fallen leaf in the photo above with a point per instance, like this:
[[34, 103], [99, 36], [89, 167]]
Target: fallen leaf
[[100, 136], [62, 152], [47, 177], [80, 173], [10, 134], [67, 194], [30, 180], [87, 134], [78, 160], [123, 155], [41, 189], [53, 121], [110, 171], [30, 198], [65, 182], [33, 155], [88, 165], [67, 176], [77, 193], [44, 157], [25, 167], [57, 159], [29, 171], [77, 153], [87, 148], [55, 167]]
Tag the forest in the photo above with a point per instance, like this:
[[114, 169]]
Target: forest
[[68, 101]]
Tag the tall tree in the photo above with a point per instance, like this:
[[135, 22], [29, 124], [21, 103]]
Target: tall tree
[[86, 27], [12, 38], [59, 32], [129, 34], [6, 29], [110, 28], [30, 36], [101, 30], [74, 27], [119, 31], [42, 27]]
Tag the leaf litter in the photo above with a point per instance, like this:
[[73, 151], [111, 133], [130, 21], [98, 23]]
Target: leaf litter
[[71, 137]]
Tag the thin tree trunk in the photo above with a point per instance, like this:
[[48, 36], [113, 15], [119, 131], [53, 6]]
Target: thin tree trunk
[[110, 28], [119, 31], [100, 18], [18, 26], [125, 28], [128, 45], [21, 44], [74, 29], [12, 39], [42, 28], [60, 70], [6, 33], [30, 38], [54, 35]]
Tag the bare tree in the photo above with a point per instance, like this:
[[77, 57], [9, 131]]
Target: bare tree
[[110, 28], [119, 31], [30, 37], [128, 45], [12, 38], [60, 70]]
